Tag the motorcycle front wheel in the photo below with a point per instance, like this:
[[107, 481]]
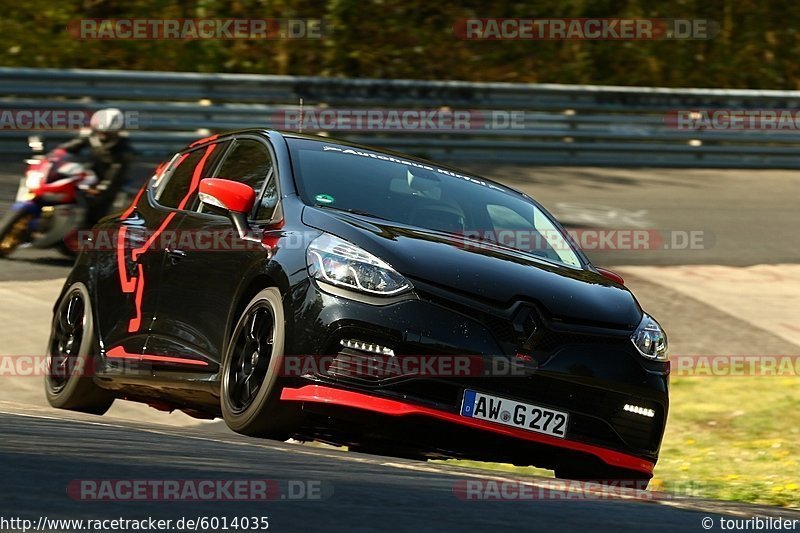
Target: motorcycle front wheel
[[13, 231]]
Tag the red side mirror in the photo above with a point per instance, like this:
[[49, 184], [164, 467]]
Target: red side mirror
[[613, 276], [226, 194]]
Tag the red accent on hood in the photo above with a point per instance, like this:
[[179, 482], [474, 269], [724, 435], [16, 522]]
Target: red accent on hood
[[357, 400]]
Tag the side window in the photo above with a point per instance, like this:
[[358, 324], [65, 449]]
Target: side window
[[173, 187], [266, 207], [249, 162], [538, 236], [506, 218]]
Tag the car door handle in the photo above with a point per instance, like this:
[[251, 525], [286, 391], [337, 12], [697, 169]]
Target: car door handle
[[175, 255]]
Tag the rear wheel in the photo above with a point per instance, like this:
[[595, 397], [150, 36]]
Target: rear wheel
[[251, 384], [70, 356], [13, 231]]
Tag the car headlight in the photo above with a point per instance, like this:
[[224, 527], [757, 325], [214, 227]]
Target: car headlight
[[650, 339], [336, 261]]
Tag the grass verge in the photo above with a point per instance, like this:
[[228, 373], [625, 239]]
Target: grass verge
[[729, 438]]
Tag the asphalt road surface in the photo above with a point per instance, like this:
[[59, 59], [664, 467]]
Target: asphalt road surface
[[41, 454], [748, 218]]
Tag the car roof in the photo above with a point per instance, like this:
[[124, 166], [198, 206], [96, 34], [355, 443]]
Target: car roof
[[333, 140]]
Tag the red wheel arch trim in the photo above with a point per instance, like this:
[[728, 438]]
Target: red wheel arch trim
[[386, 406]]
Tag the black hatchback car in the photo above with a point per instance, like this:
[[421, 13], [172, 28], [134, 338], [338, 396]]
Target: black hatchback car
[[303, 287]]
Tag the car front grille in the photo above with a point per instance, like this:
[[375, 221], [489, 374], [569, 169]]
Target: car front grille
[[500, 322], [597, 415]]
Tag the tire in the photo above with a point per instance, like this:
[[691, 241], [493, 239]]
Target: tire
[[71, 354], [12, 232], [251, 384]]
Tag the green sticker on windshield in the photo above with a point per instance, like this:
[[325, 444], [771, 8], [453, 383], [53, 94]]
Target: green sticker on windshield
[[325, 198]]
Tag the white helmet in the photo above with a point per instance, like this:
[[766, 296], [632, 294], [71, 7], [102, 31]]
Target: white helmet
[[107, 120]]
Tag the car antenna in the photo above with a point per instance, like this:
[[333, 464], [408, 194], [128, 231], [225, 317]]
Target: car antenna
[[300, 129]]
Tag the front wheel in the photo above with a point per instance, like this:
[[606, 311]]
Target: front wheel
[[13, 231], [70, 357], [251, 385]]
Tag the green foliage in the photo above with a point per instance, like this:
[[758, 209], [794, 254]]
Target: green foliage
[[757, 46], [744, 449]]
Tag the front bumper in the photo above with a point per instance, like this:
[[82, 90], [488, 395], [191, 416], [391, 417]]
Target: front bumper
[[592, 373], [330, 396]]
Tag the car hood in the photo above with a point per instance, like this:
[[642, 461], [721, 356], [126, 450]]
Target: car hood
[[486, 272]]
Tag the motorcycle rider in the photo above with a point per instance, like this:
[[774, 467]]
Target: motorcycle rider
[[109, 152]]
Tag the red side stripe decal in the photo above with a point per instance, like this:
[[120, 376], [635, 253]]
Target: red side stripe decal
[[128, 284], [344, 398], [119, 352], [128, 212], [136, 283], [197, 176], [198, 173], [146, 246], [136, 322]]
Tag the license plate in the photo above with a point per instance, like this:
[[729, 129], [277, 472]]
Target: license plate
[[515, 414]]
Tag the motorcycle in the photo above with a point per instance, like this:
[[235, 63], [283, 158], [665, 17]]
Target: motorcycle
[[50, 206]]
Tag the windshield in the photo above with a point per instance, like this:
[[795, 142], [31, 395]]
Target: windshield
[[425, 196]]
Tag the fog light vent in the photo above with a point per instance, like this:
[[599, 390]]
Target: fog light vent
[[635, 409]]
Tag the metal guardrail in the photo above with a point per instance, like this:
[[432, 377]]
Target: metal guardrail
[[560, 124]]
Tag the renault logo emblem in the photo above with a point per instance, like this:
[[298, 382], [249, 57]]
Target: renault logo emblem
[[526, 325]]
